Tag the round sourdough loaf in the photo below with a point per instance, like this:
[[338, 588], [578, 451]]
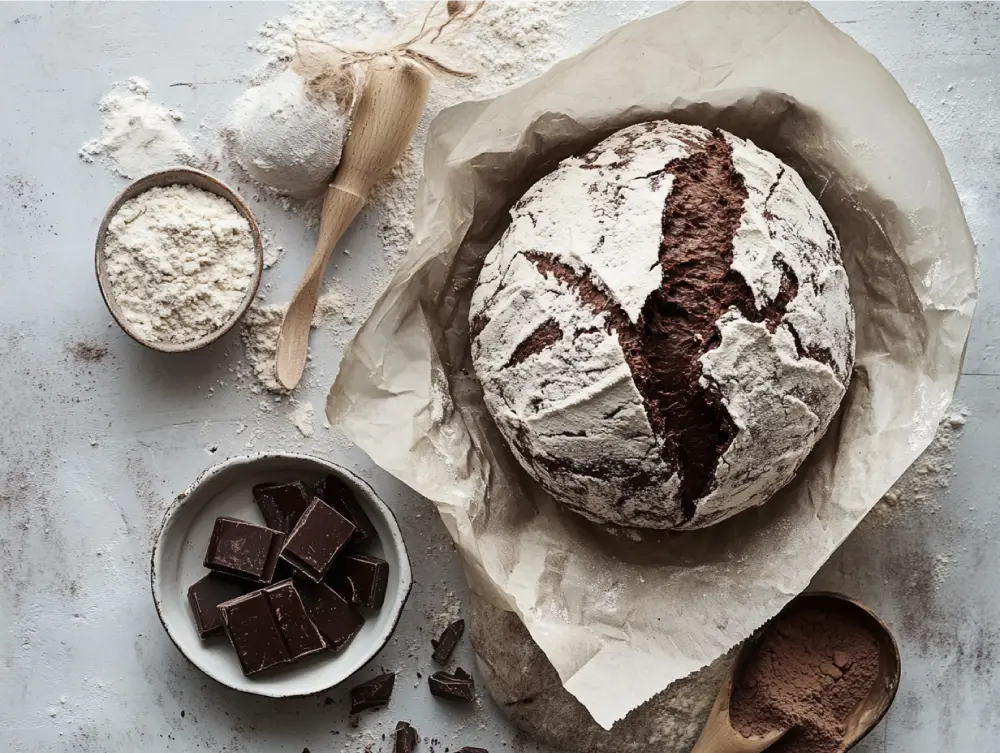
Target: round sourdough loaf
[[664, 331]]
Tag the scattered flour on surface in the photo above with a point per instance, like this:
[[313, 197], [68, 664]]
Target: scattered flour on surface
[[942, 568], [335, 311], [138, 135], [394, 200], [509, 43], [315, 21], [451, 610], [272, 251], [180, 262], [334, 307], [921, 486], [302, 416]]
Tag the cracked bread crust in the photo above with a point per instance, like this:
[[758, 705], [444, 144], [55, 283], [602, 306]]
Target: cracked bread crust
[[664, 331]]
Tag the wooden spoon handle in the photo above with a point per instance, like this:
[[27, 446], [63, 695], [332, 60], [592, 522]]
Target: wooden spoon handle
[[719, 736], [391, 105], [395, 93], [339, 210]]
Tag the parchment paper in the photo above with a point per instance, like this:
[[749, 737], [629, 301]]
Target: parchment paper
[[619, 618]]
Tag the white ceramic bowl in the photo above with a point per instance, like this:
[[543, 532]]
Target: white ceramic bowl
[[179, 550]]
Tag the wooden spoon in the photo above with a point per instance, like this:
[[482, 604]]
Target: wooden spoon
[[719, 736], [392, 102]]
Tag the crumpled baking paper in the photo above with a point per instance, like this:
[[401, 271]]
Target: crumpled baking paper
[[621, 618]]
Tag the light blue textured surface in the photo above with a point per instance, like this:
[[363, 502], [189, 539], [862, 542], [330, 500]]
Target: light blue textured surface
[[92, 453]]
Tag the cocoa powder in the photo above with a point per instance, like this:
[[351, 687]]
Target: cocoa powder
[[811, 669]]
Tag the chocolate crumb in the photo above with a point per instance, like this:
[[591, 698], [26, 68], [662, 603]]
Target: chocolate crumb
[[88, 352]]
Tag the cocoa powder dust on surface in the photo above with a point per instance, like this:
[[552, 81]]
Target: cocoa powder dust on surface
[[811, 669]]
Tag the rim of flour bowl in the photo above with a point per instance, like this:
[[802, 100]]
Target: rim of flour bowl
[[170, 177]]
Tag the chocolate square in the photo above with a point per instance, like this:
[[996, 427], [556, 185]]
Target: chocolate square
[[282, 504], [316, 540], [372, 694], [254, 632], [298, 632], [404, 738], [455, 686], [243, 549], [205, 597], [335, 492], [444, 646], [337, 620], [360, 579]]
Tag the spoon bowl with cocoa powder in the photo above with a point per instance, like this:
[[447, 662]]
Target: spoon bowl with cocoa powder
[[816, 679]]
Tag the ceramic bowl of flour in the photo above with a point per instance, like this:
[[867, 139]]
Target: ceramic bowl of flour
[[179, 259], [179, 551]]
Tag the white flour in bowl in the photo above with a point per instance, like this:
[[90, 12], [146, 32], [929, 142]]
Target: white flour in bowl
[[179, 262]]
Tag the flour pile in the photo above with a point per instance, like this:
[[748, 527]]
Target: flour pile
[[138, 135], [180, 262]]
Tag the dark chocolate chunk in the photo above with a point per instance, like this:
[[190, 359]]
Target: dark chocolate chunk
[[372, 694], [335, 492], [243, 549], [317, 539], [342, 585], [254, 632], [337, 620], [360, 579], [205, 597], [282, 504], [404, 738], [444, 646], [455, 686], [297, 630]]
